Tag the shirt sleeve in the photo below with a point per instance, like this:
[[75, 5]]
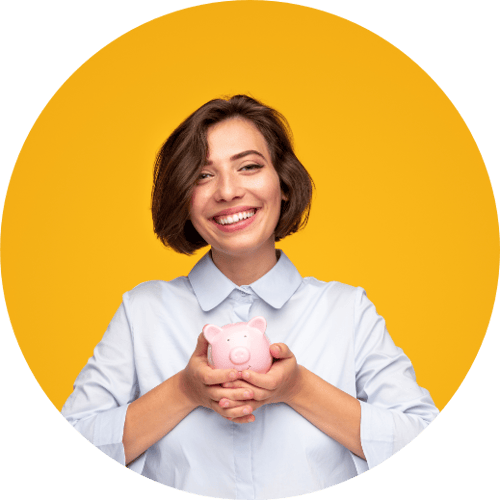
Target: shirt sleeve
[[105, 387], [394, 409]]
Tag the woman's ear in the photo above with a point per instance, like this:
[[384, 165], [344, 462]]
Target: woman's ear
[[284, 196]]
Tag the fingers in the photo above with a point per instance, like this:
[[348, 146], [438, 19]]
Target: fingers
[[201, 346], [280, 351], [228, 403], [276, 375], [240, 412], [258, 382], [231, 409], [243, 420], [237, 384], [218, 393], [259, 394], [213, 376], [268, 381], [236, 399]]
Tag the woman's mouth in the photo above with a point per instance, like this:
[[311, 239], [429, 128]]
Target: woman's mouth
[[227, 220]]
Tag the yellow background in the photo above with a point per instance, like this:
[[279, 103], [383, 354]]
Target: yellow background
[[403, 205]]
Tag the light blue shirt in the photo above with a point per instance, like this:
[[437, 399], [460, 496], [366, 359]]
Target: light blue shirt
[[333, 330]]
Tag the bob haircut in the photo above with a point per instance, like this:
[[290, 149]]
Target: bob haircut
[[183, 155]]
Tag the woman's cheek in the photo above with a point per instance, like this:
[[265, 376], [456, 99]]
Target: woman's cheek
[[194, 204], [193, 199]]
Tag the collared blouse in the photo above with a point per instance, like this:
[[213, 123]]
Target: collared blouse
[[333, 330]]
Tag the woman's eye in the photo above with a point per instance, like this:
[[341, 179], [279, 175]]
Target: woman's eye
[[203, 176], [253, 166]]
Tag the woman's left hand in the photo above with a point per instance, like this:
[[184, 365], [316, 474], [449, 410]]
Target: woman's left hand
[[279, 385], [335, 412]]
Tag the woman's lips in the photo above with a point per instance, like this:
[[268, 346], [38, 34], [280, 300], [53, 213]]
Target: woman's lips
[[231, 227], [234, 210], [234, 216]]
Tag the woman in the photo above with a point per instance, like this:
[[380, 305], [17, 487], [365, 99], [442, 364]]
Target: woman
[[340, 396]]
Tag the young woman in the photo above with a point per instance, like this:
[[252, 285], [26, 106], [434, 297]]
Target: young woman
[[339, 398]]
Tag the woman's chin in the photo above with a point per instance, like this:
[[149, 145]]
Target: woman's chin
[[243, 248]]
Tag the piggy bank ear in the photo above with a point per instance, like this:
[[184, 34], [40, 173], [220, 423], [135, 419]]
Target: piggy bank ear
[[210, 331], [258, 322]]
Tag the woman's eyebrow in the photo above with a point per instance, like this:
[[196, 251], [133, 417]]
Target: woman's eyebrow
[[246, 153], [241, 155]]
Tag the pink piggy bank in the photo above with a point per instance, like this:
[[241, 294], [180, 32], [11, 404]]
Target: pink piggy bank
[[242, 346]]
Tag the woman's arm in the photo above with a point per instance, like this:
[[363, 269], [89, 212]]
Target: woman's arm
[[155, 414], [331, 410], [105, 406], [390, 409]]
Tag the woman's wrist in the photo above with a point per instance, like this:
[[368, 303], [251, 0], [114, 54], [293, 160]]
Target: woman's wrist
[[185, 390], [299, 387]]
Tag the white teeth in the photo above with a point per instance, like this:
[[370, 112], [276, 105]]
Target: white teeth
[[231, 219]]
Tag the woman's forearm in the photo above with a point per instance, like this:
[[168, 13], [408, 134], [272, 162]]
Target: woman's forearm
[[331, 410], [154, 415]]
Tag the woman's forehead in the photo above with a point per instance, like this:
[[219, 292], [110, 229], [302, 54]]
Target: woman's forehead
[[233, 139]]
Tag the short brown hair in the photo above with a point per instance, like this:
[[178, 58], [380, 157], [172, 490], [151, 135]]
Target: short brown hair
[[183, 155]]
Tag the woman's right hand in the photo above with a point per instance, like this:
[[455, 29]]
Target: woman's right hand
[[201, 384], [157, 412]]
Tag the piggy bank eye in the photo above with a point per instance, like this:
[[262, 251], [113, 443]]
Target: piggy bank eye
[[228, 340], [244, 336]]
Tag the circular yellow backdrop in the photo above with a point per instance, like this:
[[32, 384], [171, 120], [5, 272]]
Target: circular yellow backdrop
[[403, 205]]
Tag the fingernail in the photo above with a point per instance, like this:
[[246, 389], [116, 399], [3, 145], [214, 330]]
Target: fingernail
[[232, 375], [246, 375], [223, 402], [275, 350], [227, 385], [246, 411], [247, 394]]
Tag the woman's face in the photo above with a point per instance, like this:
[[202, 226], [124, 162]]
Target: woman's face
[[236, 201]]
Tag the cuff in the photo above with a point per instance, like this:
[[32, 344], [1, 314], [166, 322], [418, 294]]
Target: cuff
[[108, 432], [377, 433], [105, 431]]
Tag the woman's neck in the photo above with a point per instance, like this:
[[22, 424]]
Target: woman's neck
[[245, 269]]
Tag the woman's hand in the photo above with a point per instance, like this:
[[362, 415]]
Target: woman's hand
[[279, 385], [335, 412], [201, 384], [157, 412]]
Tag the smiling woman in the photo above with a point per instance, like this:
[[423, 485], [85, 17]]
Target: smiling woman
[[236, 203], [228, 177], [181, 160]]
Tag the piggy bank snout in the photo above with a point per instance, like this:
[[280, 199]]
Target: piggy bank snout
[[239, 355]]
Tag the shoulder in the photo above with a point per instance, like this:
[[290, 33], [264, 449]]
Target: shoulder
[[157, 291], [332, 289]]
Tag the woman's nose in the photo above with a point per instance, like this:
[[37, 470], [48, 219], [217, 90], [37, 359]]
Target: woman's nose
[[228, 188]]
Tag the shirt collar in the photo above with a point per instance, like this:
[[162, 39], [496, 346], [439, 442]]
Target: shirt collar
[[276, 287]]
